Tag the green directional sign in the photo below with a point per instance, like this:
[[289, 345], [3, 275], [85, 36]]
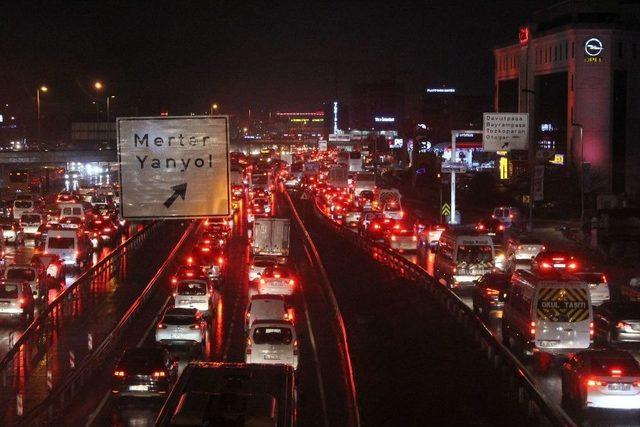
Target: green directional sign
[[446, 209]]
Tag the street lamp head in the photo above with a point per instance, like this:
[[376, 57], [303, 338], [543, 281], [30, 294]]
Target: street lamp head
[[97, 85], [112, 96], [43, 89], [214, 106]]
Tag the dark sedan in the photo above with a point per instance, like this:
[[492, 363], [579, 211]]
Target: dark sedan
[[489, 294], [144, 372]]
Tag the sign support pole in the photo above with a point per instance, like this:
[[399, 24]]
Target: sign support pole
[[452, 216]]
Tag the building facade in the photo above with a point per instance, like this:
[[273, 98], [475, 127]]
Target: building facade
[[576, 71]]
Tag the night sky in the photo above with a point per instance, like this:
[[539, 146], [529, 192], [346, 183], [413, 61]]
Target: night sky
[[264, 55]]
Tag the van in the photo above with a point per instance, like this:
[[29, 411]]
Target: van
[[364, 181], [73, 247], [196, 293], [272, 342], [21, 207], [267, 307], [16, 300], [72, 210], [547, 313], [30, 222], [507, 215], [257, 395], [463, 257]]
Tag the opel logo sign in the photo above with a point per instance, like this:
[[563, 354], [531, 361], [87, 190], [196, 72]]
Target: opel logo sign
[[593, 47]]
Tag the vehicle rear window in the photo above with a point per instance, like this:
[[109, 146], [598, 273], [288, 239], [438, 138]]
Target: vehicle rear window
[[179, 320], [602, 365], [23, 204], [30, 219], [61, 243], [264, 263], [21, 274], [473, 254], [7, 227], [590, 277], [500, 212], [563, 304], [271, 335], [8, 291], [192, 288]]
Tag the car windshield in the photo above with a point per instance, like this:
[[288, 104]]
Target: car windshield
[[604, 365], [175, 319], [21, 274], [30, 219], [9, 290], [192, 288], [23, 204], [61, 243], [272, 335], [473, 254]]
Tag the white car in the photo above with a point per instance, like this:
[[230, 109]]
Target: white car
[[267, 307], [598, 286], [11, 233], [181, 326], [196, 293], [402, 239], [28, 274], [276, 280], [258, 265], [30, 222], [272, 342]]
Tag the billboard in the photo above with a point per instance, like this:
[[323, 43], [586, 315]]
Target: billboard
[[505, 131]]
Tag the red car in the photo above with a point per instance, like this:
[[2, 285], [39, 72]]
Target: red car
[[555, 260]]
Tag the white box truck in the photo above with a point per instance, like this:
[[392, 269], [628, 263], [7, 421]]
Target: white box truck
[[338, 176], [270, 237]]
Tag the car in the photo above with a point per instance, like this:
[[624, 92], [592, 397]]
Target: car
[[489, 294], [101, 230], [428, 235], [617, 323], [213, 239], [352, 214], [182, 326], [555, 260], [507, 215], [598, 286], [29, 274], [379, 228], [493, 228], [258, 265], [392, 210], [16, 300], [277, 280], [189, 271], [66, 197], [211, 258], [401, 237], [267, 307], [601, 378], [272, 342], [12, 233], [30, 222], [42, 232], [521, 250], [196, 293], [72, 246], [22, 206], [260, 207], [71, 222], [144, 372]]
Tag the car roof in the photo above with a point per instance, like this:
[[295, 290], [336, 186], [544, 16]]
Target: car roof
[[277, 323], [267, 297]]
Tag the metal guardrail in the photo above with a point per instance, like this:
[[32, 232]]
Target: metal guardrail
[[343, 344], [51, 409], [32, 346], [521, 384]]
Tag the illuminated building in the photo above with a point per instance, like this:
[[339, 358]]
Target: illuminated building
[[576, 70]]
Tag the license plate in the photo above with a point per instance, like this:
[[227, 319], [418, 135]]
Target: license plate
[[138, 388], [547, 343], [619, 387], [559, 265], [271, 357]]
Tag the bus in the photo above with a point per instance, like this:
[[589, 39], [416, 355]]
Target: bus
[[19, 180], [355, 161]]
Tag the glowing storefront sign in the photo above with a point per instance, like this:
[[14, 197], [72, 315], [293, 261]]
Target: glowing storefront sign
[[441, 90], [385, 119], [593, 49], [335, 117]]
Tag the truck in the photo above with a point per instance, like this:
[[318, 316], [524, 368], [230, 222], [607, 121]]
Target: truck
[[311, 168], [338, 176], [270, 236]]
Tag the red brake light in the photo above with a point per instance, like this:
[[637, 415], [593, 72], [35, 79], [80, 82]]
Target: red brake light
[[159, 374], [189, 273], [107, 230], [21, 301], [533, 328], [501, 227], [220, 261], [205, 249], [161, 325], [262, 282], [615, 372], [604, 279], [572, 266], [292, 282], [190, 260], [491, 292], [174, 280], [376, 226], [593, 383], [119, 374], [480, 227], [546, 266]]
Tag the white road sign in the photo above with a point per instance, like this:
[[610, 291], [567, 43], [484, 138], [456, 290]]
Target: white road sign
[[174, 167], [505, 131], [458, 167]]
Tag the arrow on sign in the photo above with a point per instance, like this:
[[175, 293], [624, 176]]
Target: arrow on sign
[[178, 190], [446, 209]]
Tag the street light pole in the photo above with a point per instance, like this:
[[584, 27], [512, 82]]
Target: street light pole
[[579, 126], [97, 86], [532, 160], [43, 89], [108, 110]]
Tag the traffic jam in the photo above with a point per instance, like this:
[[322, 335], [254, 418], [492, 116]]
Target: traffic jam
[[550, 305], [203, 286], [48, 241]]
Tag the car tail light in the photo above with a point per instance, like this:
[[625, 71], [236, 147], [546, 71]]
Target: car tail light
[[546, 266], [414, 238], [295, 347], [520, 247], [162, 326], [159, 374], [591, 331], [604, 279], [77, 253], [21, 301], [292, 282], [107, 230], [248, 315], [501, 227], [376, 226], [491, 292], [190, 260], [594, 383], [248, 348], [175, 294], [262, 282], [396, 227], [572, 266], [511, 216], [119, 373], [533, 328], [174, 280], [195, 326], [393, 238], [220, 261], [624, 326], [480, 227], [616, 372]]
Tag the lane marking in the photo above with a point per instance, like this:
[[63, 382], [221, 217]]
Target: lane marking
[[312, 340]]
